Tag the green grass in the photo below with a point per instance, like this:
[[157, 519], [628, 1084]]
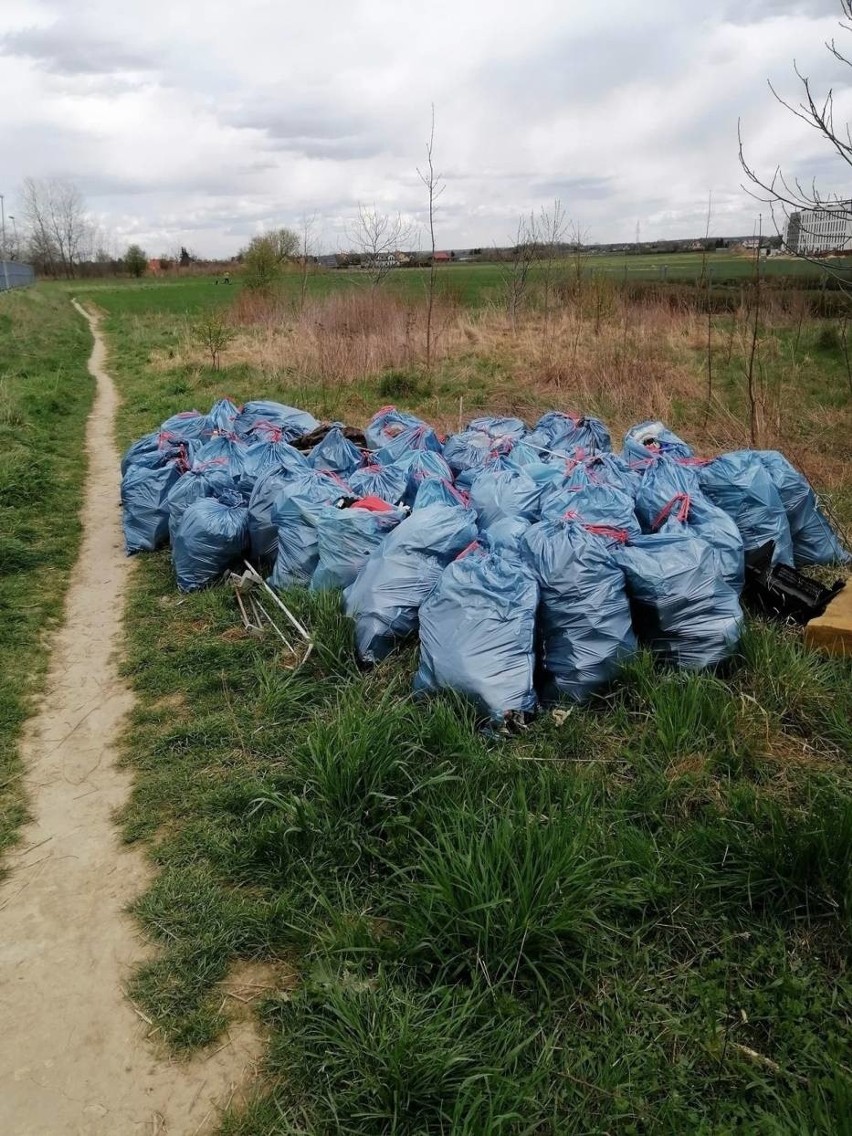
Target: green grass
[[589, 927], [45, 396]]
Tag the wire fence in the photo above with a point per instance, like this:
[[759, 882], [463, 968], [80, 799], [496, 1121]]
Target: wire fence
[[15, 275]]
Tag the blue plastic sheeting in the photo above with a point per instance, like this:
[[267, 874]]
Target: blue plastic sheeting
[[437, 492], [649, 439], [386, 595], [477, 635], [223, 415], [156, 450], [345, 539], [336, 454], [682, 607], [210, 540], [261, 457], [594, 505], [145, 516], [740, 485], [814, 540], [669, 490], [226, 450], [294, 515], [496, 494], [189, 424], [584, 619], [387, 423], [570, 434], [291, 422], [417, 439], [387, 482], [196, 483], [500, 429]]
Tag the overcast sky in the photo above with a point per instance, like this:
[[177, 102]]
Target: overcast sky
[[202, 122]]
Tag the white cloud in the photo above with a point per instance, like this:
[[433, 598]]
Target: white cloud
[[202, 122]]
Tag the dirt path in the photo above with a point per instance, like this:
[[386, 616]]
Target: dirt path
[[74, 1060]]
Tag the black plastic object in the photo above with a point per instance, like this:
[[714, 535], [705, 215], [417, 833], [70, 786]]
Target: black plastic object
[[779, 591]]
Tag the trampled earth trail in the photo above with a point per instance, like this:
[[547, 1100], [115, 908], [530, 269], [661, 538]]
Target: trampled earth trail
[[74, 1059]]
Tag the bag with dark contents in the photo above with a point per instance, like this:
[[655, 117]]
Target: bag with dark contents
[[814, 540], [570, 434], [389, 482], [262, 413], [496, 494], [223, 416], [682, 607], [477, 635], [210, 540], [345, 539], [385, 597], [650, 439], [433, 491], [208, 480], [672, 491], [295, 515], [388, 423], [336, 454], [145, 501], [739, 484], [584, 618]]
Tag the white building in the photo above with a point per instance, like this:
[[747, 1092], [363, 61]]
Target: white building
[[819, 230]]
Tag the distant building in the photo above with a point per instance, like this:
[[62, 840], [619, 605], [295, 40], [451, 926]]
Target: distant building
[[813, 231]]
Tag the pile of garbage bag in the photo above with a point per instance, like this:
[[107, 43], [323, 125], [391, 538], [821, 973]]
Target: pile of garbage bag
[[530, 562]]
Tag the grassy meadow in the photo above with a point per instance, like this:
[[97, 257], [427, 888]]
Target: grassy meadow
[[633, 917], [45, 396]]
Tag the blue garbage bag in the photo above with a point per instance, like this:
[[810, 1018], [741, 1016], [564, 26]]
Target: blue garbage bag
[[228, 451], [262, 456], [294, 515], [200, 481], [210, 540], [469, 450], [682, 607], [263, 532], [345, 539], [434, 491], [388, 482], [189, 425], [387, 423], [477, 635], [416, 439], [386, 595], [520, 456], [423, 466], [291, 422], [504, 538], [336, 454], [223, 416], [814, 540], [597, 505], [145, 501], [741, 486], [649, 439], [584, 619], [670, 490], [500, 430], [156, 450], [611, 469], [496, 494], [570, 434]]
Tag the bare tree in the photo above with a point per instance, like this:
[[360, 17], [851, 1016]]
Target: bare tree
[[59, 228], [787, 195], [434, 189], [306, 253], [377, 237], [552, 227], [518, 265]]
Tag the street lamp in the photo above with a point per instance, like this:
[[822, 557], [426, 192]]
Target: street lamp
[[16, 255]]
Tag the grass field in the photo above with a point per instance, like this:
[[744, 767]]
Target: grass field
[[634, 920], [45, 395]]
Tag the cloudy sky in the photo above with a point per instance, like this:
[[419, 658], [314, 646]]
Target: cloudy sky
[[203, 122]]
